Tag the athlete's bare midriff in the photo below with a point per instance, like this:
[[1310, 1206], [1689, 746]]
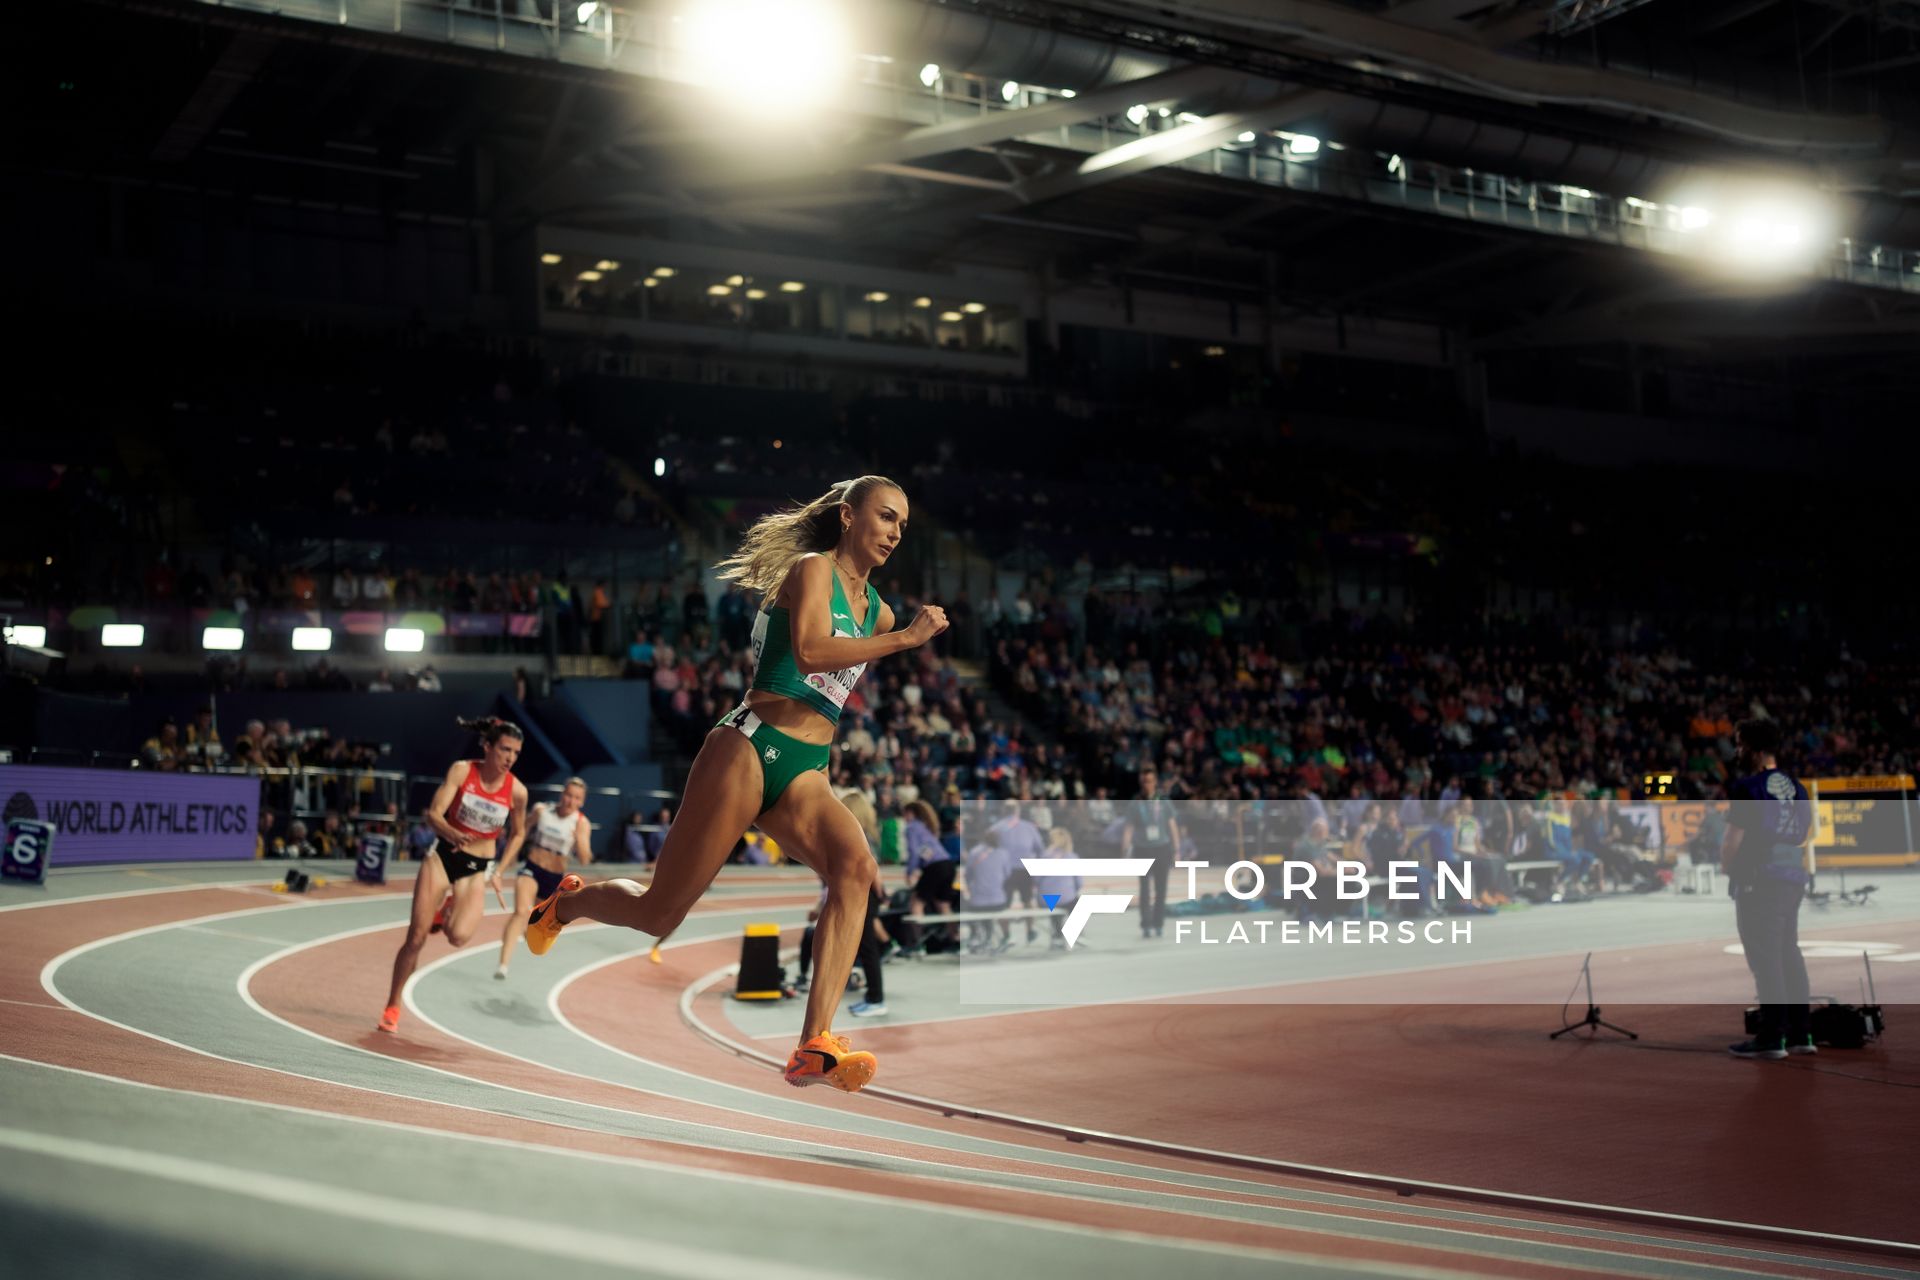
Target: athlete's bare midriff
[[795, 719]]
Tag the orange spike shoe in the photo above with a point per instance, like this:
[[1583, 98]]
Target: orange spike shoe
[[828, 1059], [543, 924], [390, 1018]]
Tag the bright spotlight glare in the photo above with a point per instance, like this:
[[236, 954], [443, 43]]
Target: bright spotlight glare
[[877, 295], [923, 302], [659, 467], [405, 640], [930, 74], [719, 290], [1748, 230], [1009, 91], [224, 639], [312, 639], [665, 273], [1303, 144], [1693, 217], [1137, 113], [974, 308], [584, 14], [29, 635], [756, 294], [949, 316], [550, 259], [606, 264], [589, 276], [123, 635], [1248, 136], [767, 54], [792, 286]]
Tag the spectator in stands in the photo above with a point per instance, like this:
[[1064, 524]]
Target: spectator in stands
[[1152, 827], [265, 843], [203, 740], [1492, 885], [1575, 863], [988, 867], [1020, 839], [1064, 890], [427, 680], [931, 870], [164, 750]]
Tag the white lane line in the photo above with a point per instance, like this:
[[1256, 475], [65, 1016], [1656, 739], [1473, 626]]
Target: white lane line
[[1647, 1217], [858, 1202], [1068, 1195], [1068, 1189], [139, 893], [39, 1004], [327, 1199]]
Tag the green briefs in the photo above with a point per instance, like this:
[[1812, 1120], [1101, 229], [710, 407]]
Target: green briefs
[[782, 759]]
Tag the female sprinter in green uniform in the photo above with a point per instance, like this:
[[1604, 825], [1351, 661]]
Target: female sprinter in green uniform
[[765, 763]]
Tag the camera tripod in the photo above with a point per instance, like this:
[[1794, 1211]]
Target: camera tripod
[[1593, 1020]]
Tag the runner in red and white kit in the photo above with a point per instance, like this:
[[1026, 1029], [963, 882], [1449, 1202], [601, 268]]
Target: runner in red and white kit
[[478, 800]]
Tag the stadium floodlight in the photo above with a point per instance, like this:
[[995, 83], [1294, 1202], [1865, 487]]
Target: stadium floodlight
[[606, 264], [1009, 91], [756, 294], [651, 282], [1068, 93], [1247, 136], [550, 259], [588, 276], [950, 316], [123, 635], [1137, 113], [736, 280], [222, 639], [659, 468], [28, 635], [584, 14], [312, 639], [1166, 113], [719, 290], [766, 55], [1303, 144], [877, 295], [405, 640], [792, 286], [923, 302], [1396, 166], [974, 308], [665, 273], [1694, 218], [930, 74]]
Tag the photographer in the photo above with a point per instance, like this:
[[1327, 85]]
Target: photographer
[[1764, 858]]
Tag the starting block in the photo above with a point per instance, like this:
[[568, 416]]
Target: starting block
[[761, 976]]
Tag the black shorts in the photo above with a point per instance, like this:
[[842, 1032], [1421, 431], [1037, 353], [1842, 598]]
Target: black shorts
[[935, 884], [545, 883], [461, 865]]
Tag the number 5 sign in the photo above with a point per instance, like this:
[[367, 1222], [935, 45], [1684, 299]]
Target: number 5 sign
[[29, 846]]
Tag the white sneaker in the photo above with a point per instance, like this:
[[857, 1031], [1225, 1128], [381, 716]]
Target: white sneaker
[[866, 1009], [500, 973]]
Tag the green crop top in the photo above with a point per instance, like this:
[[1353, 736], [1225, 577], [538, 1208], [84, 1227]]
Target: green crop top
[[773, 666]]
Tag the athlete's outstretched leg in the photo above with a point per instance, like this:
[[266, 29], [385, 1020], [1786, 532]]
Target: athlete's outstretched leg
[[721, 801], [429, 887], [469, 905], [523, 899], [816, 830]]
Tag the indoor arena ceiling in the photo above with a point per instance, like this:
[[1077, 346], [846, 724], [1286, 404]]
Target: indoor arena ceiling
[[919, 165]]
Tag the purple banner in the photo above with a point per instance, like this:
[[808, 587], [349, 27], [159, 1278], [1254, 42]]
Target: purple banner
[[116, 815], [476, 624]]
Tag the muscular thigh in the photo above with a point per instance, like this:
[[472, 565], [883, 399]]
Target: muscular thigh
[[813, 827], [721, 800]]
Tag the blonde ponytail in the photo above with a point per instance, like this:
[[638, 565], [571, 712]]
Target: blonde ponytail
[[775, 541]]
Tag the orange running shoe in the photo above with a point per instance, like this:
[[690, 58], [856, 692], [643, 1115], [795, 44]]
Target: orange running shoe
[[654, 955], [829, 1059], [390, 1018], [543, 924]]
